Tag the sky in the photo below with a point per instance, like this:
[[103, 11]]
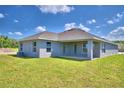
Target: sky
[[18, 21]]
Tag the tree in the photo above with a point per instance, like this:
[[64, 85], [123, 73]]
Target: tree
[[6, 42]]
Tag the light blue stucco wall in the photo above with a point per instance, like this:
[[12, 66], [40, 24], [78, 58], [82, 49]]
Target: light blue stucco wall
[[28, 50], [42, 49], [57, 49], [110, 49]]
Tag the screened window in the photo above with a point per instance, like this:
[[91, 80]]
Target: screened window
[[75, 48], [64, 49], [103, 47], [85, 47], [21, 47], [34, 47], [48, 49]]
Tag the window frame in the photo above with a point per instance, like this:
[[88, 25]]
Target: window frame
[[34, 46], [48, 50], [48, 46]]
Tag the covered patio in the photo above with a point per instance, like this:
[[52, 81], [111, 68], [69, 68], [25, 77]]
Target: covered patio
[[87, 49]]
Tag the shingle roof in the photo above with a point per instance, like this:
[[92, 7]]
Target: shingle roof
[[75, 34], [42, 35], [68, 35]]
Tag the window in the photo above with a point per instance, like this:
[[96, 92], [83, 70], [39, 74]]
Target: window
[[34, 46], [85, 47], [49, 44], [63, 49], [103, 47], [21, 47], [48, 49], [34, 43], [75, 48], [34, 49]]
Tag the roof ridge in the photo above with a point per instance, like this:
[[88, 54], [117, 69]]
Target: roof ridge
[[75, 29]]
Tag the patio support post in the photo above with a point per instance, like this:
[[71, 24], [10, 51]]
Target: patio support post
[[90, 49], [101, 49]]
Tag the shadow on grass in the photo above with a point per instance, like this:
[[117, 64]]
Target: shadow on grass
[[71, 59], [24, 57]]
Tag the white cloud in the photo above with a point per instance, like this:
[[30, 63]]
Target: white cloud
[[40, 28], [16, 21], [116, 18], [2, 15], [119, 15], [10, 33], [116, 34], [97, 26], [103, 37], [83, 27], [15, 33], [69, 26], [54, 9], [18, 33], [98, 32], [110, 22], [91, 21]]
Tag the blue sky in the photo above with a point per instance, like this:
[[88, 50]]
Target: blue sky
[[21, 21]]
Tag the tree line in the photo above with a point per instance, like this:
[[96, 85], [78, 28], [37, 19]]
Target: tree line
[[6, 42], [120, 45]]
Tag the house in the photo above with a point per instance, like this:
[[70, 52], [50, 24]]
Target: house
[[75, 43]]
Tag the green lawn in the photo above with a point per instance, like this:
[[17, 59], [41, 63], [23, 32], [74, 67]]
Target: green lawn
[[14, 49], [60, 72]]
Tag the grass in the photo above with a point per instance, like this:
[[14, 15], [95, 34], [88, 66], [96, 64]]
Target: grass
[[60, 72], [14, 49]]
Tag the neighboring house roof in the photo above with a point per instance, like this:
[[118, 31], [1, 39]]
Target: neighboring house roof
[[68, 35]]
